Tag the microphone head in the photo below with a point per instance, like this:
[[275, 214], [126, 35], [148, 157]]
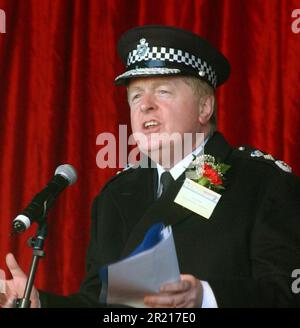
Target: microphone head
[[68, 172], [21, 223]]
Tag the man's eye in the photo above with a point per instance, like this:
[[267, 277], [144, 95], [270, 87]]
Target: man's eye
[[163, 91], [135, 97]]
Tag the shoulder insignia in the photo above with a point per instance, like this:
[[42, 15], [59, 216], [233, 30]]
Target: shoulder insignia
[[283, 166], [259, 154], [256, 153]]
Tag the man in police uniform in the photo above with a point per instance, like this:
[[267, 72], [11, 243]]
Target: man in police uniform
[[245, 253]]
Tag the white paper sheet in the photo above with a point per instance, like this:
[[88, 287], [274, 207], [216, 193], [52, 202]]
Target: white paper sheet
[[130, 279]]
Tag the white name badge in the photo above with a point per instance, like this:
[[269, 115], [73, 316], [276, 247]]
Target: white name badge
[[197, 198]]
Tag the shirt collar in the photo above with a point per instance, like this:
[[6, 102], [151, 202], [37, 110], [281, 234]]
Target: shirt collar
[[180, 167]]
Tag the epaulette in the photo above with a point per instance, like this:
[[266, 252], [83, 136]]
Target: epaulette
[[256, 153]]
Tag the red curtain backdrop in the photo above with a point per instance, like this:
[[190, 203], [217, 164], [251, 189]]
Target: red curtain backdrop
[[58, 61]]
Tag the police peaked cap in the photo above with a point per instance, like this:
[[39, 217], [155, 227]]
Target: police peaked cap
[[156, 50]]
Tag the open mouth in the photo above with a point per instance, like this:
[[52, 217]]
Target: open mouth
[[150, 124]]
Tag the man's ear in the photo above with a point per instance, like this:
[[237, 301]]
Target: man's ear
[[206, 109]]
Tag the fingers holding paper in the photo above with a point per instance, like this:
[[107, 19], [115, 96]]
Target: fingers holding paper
[[187, 293]]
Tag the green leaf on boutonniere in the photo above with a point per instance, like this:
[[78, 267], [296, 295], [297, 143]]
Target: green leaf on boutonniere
[[224, 167], [203, 181]]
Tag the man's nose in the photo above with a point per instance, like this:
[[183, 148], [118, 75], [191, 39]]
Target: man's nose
[[147, 103]]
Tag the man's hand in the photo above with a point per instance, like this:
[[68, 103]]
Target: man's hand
[[187, 293], [14, 288]]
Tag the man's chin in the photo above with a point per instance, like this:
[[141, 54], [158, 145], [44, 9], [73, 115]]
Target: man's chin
[[159, 154], [149, 149]]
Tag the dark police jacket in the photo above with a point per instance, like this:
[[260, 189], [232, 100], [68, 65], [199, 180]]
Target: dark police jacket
[[247, 250]]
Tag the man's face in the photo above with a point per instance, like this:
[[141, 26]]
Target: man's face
[[162, 106]]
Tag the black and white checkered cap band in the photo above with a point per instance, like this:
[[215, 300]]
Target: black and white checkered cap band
[[177, 56]]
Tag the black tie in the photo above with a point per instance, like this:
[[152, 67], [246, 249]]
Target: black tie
[[166, 179]]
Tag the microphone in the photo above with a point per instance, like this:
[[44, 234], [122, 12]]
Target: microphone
[[64, 175]]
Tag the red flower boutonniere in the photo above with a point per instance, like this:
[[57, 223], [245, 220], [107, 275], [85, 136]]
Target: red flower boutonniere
[[206, 171]]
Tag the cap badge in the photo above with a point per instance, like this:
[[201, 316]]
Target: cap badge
[[142, 49]]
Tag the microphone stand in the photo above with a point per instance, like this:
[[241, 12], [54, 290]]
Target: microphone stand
[[37, 243]]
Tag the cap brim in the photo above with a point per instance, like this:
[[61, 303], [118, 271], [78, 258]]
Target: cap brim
[[145, 72]]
